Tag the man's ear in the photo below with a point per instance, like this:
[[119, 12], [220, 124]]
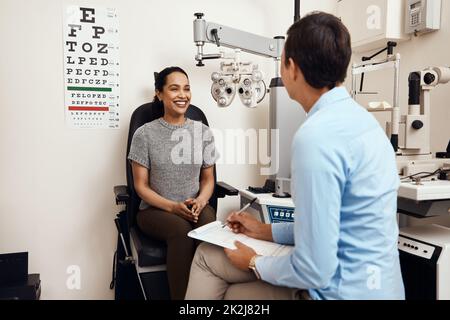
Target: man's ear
[[293, 70]]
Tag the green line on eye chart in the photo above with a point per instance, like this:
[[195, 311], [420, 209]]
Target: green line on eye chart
[[89, 89]]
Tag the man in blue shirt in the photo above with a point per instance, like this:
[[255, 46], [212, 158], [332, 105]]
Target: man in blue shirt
[[344, 186]]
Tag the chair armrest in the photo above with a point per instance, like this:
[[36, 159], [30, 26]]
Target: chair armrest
[[122, 194], [223, 190]]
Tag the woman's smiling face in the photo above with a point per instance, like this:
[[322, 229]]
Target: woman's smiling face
[[176, 94]]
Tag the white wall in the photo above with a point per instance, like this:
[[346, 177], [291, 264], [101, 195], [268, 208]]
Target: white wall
[[56, 197]]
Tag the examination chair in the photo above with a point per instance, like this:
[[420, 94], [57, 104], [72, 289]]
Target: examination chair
[[139, 259]]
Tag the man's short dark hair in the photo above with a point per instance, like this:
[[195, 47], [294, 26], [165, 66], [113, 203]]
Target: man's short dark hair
[[320, 45]]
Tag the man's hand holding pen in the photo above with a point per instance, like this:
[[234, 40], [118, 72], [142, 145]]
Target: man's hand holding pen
[[240, 212], [245, 223]]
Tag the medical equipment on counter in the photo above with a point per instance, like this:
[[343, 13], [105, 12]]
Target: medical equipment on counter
[[418, 121], [416, 125], [267, 208], [425, 262], [422, 193]]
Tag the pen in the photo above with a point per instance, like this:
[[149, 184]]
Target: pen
[[242, 210]]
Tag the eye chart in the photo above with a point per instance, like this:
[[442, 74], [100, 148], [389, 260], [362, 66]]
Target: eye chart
[[91, 67]]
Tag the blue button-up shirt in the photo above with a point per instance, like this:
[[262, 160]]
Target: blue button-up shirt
[[344, 186]]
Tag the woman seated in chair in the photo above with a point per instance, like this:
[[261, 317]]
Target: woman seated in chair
[[173, 169]]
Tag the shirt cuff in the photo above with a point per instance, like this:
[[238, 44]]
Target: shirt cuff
[[139, 160]]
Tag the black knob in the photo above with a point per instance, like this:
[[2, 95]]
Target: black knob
[[390, 47], [392, 44], [429, 78], [417, 124], [444, 176], [199, 15]]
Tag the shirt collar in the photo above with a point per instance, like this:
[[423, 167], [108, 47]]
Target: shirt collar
[[329, 98]]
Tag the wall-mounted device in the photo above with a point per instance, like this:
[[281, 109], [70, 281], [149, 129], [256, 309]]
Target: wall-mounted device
[[422, 16], [372, 23]]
